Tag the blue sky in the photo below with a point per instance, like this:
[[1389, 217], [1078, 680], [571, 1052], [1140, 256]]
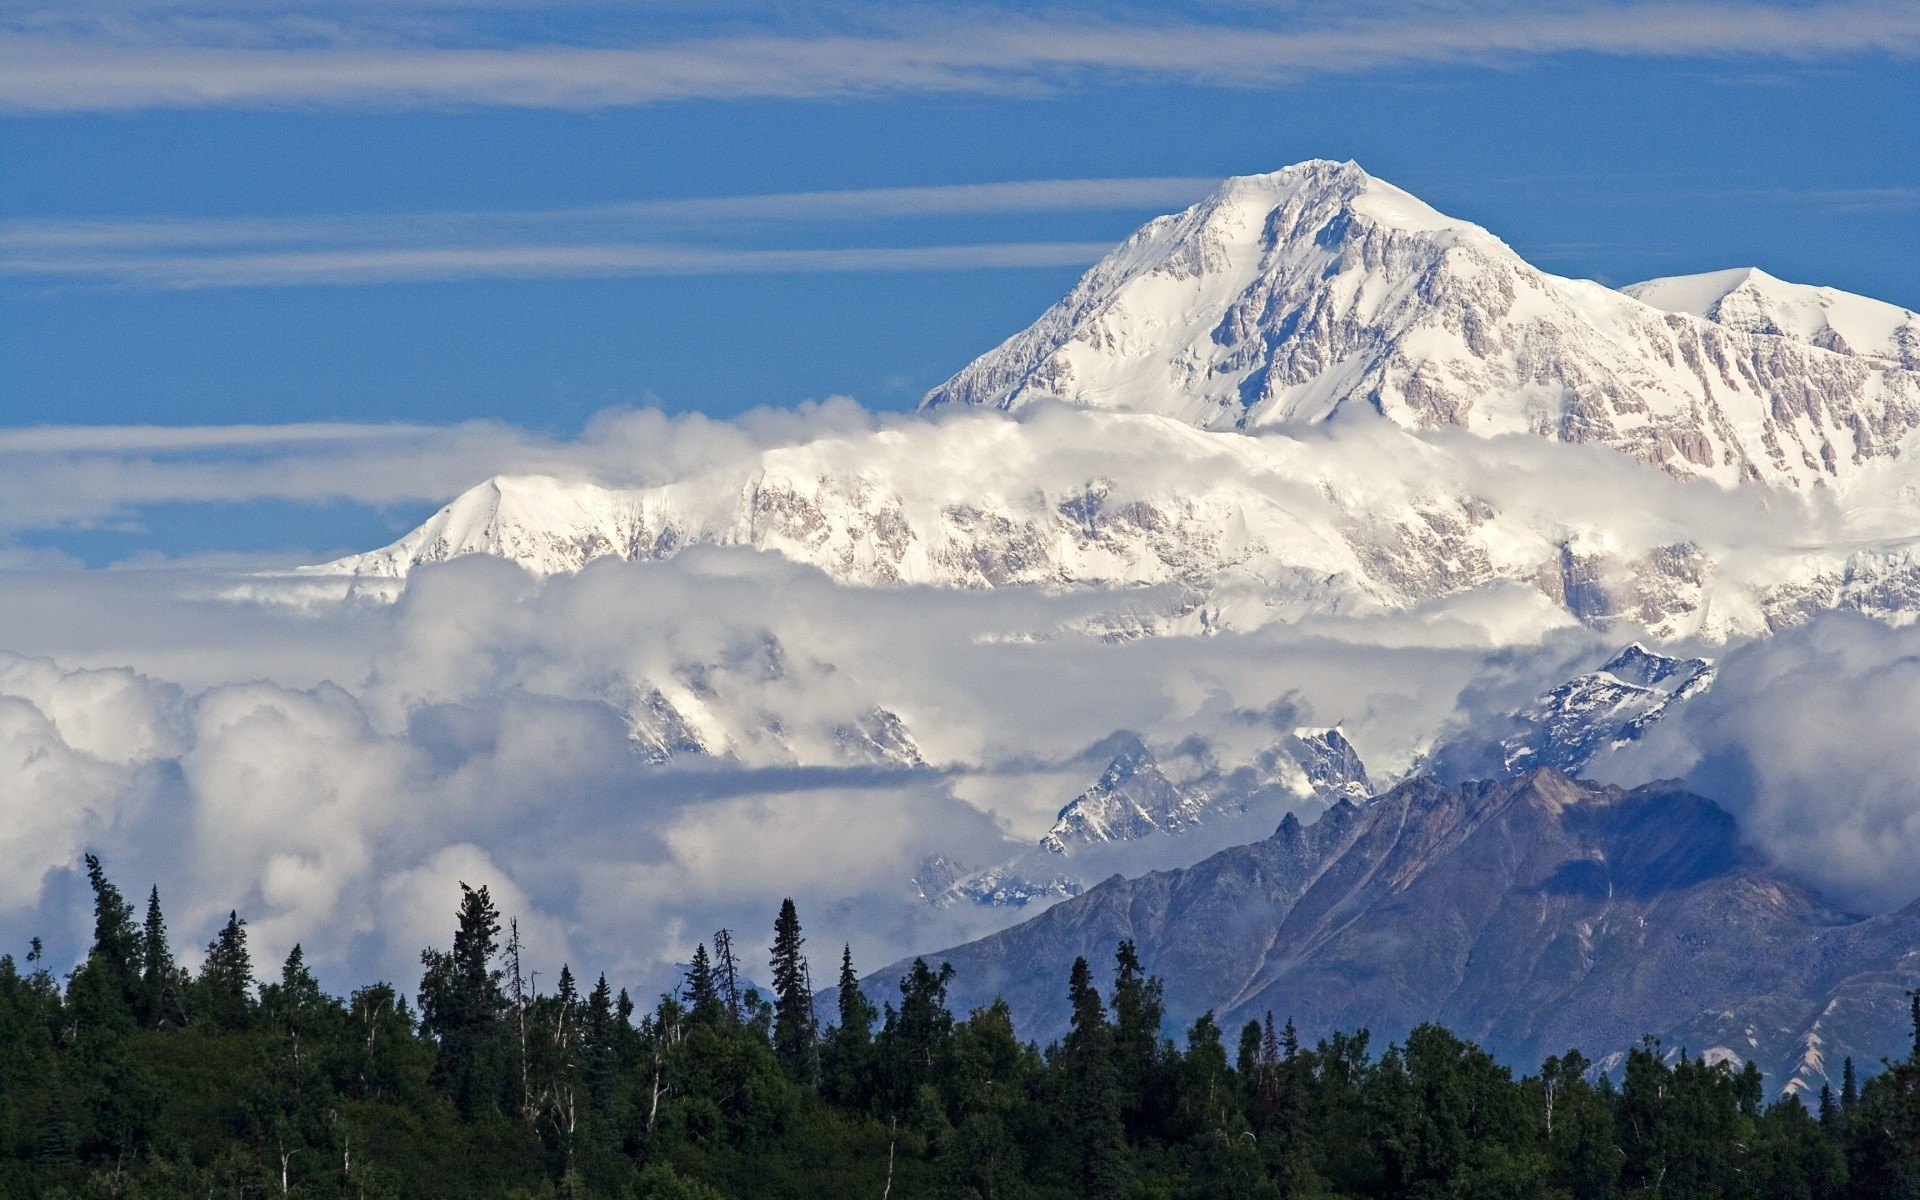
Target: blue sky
[[429, 213]]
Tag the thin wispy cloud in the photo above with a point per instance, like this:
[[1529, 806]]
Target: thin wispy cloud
[[537, 262], [601, 240], [109, 439], [624, 220], [46, 68]]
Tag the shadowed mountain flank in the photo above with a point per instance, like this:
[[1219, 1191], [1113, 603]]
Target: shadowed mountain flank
[[1533, 914]]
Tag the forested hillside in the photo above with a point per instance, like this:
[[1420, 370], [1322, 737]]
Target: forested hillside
[[132, 1077]]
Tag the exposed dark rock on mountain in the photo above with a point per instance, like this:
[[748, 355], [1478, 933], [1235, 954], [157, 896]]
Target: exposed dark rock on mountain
[[1567, 726], [1534, 915]]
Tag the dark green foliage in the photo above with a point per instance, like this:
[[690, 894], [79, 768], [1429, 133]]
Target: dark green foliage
[[225, 985], [158, 1003], [794, 1035], [462, 1006], [1088, 1054], [703, 994], [134, 1082]]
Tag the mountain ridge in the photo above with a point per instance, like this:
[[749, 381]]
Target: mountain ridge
[[1534, 914], [1333, 493]]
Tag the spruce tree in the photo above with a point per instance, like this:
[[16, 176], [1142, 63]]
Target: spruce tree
[[856, 1011], [847, 1053], [597, 1037], [54, 1141], [463, 1004], [116, 940], [226, 977], [1096, 1107], [159, 996], [793, 1023], [703, 999], [1138, 1010]]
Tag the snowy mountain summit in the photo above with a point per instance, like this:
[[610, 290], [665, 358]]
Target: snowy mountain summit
[[1311, 393], [1295, 297]]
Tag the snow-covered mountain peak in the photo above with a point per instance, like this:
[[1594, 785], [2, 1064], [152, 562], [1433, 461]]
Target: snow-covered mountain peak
[[1288, 298], [548, 525], [1749, 299]]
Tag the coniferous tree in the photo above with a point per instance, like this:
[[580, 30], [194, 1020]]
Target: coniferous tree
[[857, 1013], [847, 1055], [1096, 1096], [1138, 1009], [107, 987], [226, 977], [159, 978], [793, 1022], [597, 1037], [703, 997], [295, 1004], [462, 1003], [1849, 1089], [54, 1139]]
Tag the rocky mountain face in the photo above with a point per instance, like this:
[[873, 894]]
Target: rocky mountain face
[[1534, 915], [1131, 799], [1134, 799], [1570, 724], [1293, 297]]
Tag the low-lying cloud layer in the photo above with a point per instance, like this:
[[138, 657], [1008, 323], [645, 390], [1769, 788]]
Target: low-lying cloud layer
[[640, 753], [335, 774], [1808, 737]]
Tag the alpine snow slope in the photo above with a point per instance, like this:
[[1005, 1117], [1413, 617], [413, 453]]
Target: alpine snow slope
[[1309, 394]]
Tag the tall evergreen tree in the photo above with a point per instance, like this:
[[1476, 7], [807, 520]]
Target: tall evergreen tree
[[159, 992], [1096, 1094], [597, 1037], [1830, 1116], [1138, 1010], [703, 996], [856, 1011], [116, 939], [846, 1066], [462, 1002], [226, 977], [793, 1022]]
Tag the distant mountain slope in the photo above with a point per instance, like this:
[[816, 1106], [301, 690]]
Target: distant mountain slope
[[1534, 915], [1297, 296]]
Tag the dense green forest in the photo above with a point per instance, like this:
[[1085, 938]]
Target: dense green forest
[[139, 1079]]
